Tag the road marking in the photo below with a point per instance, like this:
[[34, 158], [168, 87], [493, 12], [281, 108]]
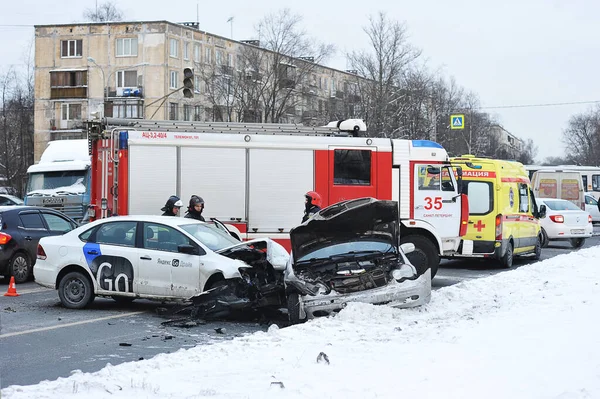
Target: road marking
[[76, 323]]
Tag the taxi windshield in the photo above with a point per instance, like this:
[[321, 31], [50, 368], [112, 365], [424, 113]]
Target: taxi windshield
[[210, 235]]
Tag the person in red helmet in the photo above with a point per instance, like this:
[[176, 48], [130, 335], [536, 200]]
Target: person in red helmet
[[312, 205]]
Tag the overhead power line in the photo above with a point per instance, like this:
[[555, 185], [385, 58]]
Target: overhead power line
[[541, 104]]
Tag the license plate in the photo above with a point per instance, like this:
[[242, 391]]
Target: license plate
[[577, 231], [53, 200]]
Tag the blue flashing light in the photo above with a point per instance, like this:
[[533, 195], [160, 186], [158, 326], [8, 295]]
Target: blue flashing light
[[123, 137], [426, 143]]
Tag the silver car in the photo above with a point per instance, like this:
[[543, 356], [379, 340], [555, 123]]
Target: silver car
[[350, 252]]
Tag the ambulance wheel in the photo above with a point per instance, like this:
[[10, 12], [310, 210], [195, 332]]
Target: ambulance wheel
[[293, 305], [537, 254], [507, 259], [577, 242], [545, 239], [425, 256]]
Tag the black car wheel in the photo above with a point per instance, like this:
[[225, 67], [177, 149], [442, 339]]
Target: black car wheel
[[507, 259], [20, 267], [575, 243], [425, 256], [75, 291], [293, 305]]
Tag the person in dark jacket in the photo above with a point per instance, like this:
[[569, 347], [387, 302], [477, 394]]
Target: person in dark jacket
[[312, 205], [195, 208], [172, 206]]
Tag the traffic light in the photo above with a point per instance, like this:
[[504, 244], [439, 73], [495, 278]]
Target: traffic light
[[188, 83]]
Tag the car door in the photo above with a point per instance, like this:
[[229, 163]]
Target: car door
[[111, 255], [163, 270], [57, 224], [32, 228]]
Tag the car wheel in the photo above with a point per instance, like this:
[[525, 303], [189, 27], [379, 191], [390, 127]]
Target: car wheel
[[545, 239], [293, 306], [538, 248], [425, 256], [20, 267], [123, 300], [575, 243], [507, 259], [75, 291]]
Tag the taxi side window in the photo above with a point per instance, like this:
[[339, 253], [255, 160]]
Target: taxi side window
[[523, 198], [163, 238], [117, 233]]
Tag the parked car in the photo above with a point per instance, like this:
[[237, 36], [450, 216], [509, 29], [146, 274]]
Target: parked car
[[7, 199], [350, 252], [162, 258], [21, 227], [591, 206], [564, 221]]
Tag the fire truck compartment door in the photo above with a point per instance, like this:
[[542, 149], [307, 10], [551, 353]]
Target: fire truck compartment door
[[218, 175], [279, 178], [152, 178]]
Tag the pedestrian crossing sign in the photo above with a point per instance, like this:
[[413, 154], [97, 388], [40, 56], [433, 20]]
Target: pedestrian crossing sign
[[457, 121]]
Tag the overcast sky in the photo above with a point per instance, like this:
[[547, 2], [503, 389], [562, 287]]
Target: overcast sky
[[509, 52]]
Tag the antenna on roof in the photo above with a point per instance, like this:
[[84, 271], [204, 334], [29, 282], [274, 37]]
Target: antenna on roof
[[198, 14]]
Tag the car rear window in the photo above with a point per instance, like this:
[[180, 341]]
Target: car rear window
[[481, 196], [561, 205]]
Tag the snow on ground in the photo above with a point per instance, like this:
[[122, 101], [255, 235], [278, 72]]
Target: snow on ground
[[528, 333]]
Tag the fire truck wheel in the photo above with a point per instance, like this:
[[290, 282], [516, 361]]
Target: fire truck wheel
[[425, 254]]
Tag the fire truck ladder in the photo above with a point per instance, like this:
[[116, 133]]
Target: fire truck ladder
[[349, 127]]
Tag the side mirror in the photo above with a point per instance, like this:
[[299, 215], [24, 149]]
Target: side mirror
[[542, 212], [187, 249], [407, 247]]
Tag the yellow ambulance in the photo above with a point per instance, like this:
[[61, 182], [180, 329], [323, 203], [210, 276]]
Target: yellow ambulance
[[503, 216]]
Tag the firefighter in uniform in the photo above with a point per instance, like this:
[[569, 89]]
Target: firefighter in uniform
[[195, 208], [172, 206], [312, 205]]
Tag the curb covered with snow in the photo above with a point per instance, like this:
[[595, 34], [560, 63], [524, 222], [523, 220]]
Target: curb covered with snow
[[528, 333]]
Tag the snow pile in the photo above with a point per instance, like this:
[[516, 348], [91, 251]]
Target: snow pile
[[528, 333]]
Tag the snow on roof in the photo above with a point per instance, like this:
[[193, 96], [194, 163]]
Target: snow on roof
[[66, 150], [527, 333]]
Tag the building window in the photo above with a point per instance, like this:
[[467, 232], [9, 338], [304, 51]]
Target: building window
[[196, 52], [208, 55], [68, 84], [197, 83], [198, 111], [187, 112], [230, 60], [128, 111], [219, 57], [71, 48], [127, 47], [70, 112], [174, 79], [126, 78], [186, 51], [174, 48], [173, 114]]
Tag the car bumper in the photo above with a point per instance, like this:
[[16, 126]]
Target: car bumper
[[44, 274], [409, 293], [558, 232]]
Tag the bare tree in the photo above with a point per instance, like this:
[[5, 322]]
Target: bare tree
[[528, 153], [383, 66], [105, 12], [582, 138]]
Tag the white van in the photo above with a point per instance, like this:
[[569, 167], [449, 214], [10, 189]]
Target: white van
[[563, 185]]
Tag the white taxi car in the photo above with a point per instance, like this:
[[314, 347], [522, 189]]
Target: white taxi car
[[151, 257], [564, 221]]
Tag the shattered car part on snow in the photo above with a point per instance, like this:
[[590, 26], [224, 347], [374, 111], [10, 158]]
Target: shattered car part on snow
[[350, 252]]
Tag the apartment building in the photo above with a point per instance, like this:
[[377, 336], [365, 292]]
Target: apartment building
[[507, 144], [164, 70]]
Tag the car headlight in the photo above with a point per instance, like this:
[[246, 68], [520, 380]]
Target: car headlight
[[403, 272]]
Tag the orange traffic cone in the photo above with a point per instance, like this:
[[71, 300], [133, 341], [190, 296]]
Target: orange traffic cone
[[12, 290]]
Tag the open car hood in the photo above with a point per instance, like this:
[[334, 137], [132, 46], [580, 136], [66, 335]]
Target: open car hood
[[276, 254], [358, 219]]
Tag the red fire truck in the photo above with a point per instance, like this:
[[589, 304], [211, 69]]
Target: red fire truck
[[253, 177]]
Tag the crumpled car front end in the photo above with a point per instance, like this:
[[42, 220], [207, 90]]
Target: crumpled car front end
[[349, 252]]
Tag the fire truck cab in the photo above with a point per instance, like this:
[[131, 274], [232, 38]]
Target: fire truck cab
[[253, 177]]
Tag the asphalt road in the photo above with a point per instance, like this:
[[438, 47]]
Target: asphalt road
[[41, 340]]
